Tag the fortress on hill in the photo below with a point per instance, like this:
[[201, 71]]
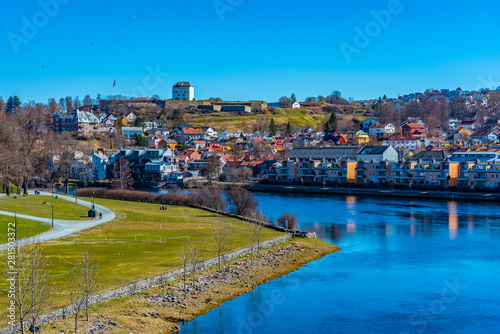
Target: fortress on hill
[[183, 96]]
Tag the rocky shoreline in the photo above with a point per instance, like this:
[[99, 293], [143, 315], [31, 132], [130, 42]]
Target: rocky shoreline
[[162, 309]]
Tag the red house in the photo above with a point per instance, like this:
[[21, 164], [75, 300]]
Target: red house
[[416, 131]]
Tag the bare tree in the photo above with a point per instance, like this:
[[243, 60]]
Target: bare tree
[[87, 100], [123, 178], [29, 274], [221, 236], [252, 239], [2, 104], [66, 147], [244, 174], [262, 124], [257, 226], [90, 270], [194, 250], [211, 197], [84, 281], [185, 256], [285, 102], [288, 221], [76, 294], [256, 229], [69, 103], [212, 166], [242, 201]]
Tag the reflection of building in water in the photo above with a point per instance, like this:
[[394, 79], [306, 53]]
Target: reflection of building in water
[[452, 220], [351, 203], [389, 230], [413, 230], [471, 224], [351, 226], [351, 209]]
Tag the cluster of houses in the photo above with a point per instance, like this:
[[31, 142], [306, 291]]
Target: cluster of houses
[[377, 153], [382, 165]]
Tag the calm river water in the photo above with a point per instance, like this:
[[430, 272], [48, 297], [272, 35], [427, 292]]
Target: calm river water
[[404, 267]]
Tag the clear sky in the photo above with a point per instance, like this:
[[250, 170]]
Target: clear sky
[[246, 49]]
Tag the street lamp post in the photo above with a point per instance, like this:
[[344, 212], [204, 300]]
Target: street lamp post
[[52, 214]]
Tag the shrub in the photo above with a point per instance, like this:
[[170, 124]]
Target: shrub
[[288, 219], [210, 197], [243, 202]]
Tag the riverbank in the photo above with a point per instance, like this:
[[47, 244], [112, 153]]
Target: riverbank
[[439, 195], [162, 309]]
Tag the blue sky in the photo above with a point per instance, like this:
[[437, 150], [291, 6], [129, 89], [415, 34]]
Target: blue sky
[[249, 49]]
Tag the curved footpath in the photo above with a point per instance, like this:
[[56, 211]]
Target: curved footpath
[[64, 227]]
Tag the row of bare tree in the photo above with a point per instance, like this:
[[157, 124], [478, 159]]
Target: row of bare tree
[[32, 289]]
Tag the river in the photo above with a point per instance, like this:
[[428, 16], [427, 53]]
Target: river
[[405, 267]]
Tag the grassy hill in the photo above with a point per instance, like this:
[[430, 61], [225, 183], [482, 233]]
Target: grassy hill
[[228, 121]]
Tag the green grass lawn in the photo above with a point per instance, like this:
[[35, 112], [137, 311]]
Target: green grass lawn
[[25, 228], [33, 205], [130, 247]]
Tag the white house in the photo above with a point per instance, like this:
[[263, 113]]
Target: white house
[[183, 91], [210, 132], [402, 143], [229, 134], [377, 154], [380, 130], [296, 105], [99, 165]]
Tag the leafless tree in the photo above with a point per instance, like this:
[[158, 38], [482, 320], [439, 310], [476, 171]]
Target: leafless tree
[[288, 221], [66, 147], [212, 167], [90, 270], [29, 273], [53, 106], [2, 105], [242, 201], [251, 241], [221, 236], [262, 124], [76, 294], [256, 229], [185, 256], [87, 100], [69, 103], [194, 250], [123, 178], [84, 281], [257, 226], [76, 103], [209, 196], [244, 174]]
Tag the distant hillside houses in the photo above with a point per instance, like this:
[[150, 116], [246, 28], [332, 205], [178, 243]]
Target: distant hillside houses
[[81, 123]]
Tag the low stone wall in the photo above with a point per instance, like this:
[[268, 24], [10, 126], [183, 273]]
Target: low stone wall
[[295, 234], [149, 283]]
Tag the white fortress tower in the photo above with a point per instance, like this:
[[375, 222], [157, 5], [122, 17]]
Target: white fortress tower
[[183, 91]]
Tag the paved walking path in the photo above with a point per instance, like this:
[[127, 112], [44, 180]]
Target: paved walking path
[[64, 227]]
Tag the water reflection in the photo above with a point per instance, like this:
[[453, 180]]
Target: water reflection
[[395, 257], [453, 220]]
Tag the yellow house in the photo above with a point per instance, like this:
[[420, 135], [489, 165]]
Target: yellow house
[[361, 138], [129, 119]]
